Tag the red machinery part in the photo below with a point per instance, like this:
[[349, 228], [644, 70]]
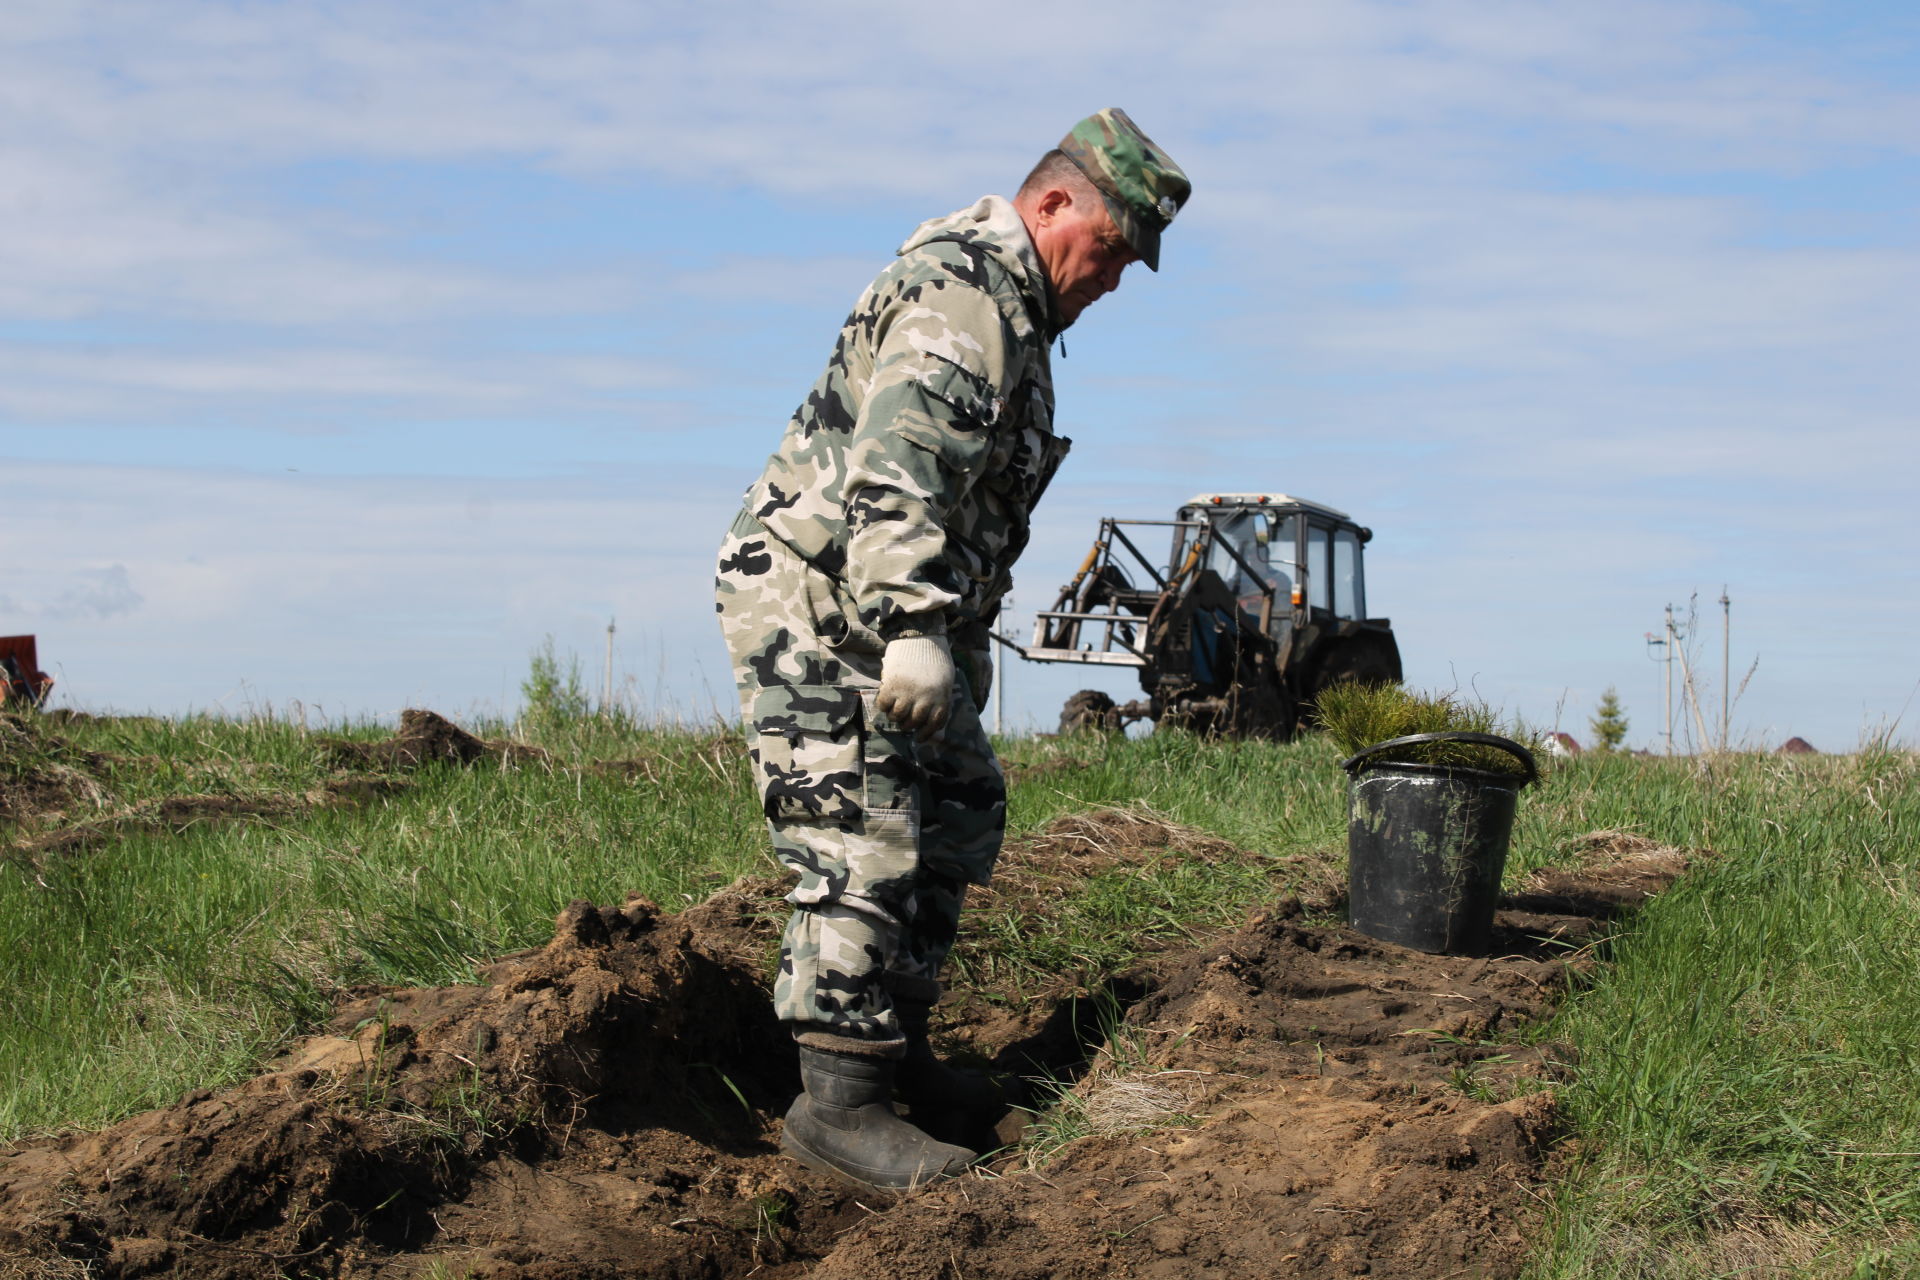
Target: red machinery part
[[21, 679]]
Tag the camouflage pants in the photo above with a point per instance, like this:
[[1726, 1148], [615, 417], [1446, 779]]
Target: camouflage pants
[[885, 833]]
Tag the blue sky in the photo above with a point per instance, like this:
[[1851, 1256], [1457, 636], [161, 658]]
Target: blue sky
[[347, 350]]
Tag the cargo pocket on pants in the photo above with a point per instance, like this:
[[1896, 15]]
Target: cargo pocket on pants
[[808, 746], [813, 748]]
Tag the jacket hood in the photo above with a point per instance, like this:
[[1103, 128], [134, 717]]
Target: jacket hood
[[993, 223]]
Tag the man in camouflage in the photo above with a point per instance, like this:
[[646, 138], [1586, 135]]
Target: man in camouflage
[[855, 590]]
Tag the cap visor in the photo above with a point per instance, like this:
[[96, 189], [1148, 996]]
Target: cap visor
[[1142, 239], [1148, 247]]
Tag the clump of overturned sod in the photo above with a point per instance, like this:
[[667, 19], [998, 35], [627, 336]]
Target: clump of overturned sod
[[1358, 715]]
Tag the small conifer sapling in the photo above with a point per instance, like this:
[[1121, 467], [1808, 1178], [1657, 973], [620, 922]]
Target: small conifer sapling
[[1609, 724]]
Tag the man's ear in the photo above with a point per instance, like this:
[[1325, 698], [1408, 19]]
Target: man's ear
[[1052, 201]]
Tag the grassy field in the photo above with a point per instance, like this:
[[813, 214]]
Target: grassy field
[[1742, 1087], [1747, 1096]]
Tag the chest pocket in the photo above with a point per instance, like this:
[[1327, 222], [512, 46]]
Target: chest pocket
[[1004, 500], [1027, 454], [1023, 465]]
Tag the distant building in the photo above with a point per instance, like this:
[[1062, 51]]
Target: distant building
[[1797, 747], [1561, 744]]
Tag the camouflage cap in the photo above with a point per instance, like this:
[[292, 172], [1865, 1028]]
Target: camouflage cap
[[1142, 186]]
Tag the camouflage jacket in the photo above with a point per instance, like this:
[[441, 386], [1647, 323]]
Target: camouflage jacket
[[908, 475]]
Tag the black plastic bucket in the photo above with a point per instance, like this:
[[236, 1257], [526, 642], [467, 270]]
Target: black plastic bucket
[[1426, 844]]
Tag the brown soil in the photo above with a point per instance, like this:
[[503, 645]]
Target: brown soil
[[1289, 1100], [42, 772], [427, 737]]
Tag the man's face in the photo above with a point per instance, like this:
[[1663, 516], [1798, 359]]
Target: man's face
[[1083, 251]]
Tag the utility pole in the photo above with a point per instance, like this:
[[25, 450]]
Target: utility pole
[[1693, 694], [606, 684], [1668, 690], [1664, 645], [1000, 676], [1727, 643]]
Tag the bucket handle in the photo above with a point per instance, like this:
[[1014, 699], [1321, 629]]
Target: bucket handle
[[1352, 765]]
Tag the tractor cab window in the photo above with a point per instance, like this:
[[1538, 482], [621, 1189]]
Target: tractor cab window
[[1282, 541], [1318, 577], [1349, 588], [1242, 532], [1283, 533], [1264, 540]]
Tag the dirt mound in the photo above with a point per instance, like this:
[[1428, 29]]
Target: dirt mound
[[427, 737], [1288, 1100], [427, 1119], [42, 773]]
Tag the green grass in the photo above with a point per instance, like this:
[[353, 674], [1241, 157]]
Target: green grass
[[1258, 795], [1748, 1094], [153, 962], [1744, 1095], [156, 962]]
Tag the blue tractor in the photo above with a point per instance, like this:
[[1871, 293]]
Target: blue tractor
[[1260, 604]]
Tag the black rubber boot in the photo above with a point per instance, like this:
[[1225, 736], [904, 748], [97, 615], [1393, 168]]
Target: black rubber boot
[[845, 1124], [924, 1082]]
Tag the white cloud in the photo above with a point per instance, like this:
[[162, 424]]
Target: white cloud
[[1306, 121], [99, 593], [356, 594], [74, 592], [282, 384], [704, 93], [93, 233]]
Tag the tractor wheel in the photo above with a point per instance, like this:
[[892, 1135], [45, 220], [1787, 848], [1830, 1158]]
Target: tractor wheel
[[1088, 709]]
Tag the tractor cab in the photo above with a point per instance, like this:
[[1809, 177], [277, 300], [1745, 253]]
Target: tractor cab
[[1285, 559]]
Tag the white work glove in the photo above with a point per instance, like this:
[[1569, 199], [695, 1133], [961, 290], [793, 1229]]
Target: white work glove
[[916, 683]]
